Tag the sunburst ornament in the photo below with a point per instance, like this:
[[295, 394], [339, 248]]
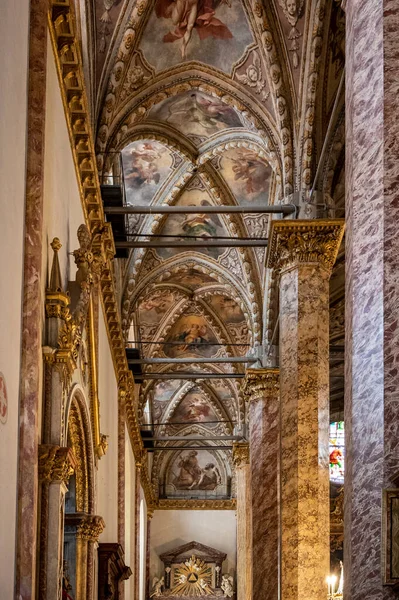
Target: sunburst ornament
[[193, 578]]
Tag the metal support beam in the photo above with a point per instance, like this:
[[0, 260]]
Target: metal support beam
[[173, 448], [233, 243], [194, 376], [188, 361], [165, 209], [182, 438]]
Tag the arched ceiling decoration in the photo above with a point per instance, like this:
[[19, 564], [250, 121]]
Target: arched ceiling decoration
[[233, 111]]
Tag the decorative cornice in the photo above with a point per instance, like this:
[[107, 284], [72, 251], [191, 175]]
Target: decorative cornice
[[63, 28], [240, 454], [261, 383], [197, 504], [90, 528], [56, 463], [307, 241]]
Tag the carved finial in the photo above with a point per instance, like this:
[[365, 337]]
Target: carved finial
[[55, 277]]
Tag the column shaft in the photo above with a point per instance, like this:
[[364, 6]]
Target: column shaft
[[304, 381], [244, 521], [304, 253], [262, 391], [372, 292]]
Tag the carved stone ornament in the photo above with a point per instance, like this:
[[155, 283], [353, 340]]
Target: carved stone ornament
[[295, 242], [56, 463], [261, 383], [90, 528], [240, 454]]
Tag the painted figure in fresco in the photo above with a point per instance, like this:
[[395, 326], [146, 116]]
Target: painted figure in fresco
[[143, 165], [202, 110], [190, 471], [210, 478], [158, 302], [187, 15], [249, 168], [200, 225], [193, 336]]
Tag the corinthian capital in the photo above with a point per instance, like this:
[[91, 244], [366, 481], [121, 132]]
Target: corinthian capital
[[261, 383], [240, 454], [56, 463], [310, 241], [90, 528]]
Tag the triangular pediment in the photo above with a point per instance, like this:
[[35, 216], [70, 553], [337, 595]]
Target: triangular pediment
[[185, 551]]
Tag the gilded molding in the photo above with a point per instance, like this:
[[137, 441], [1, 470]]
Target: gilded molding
[[240, 454], [197, 504], [62, 26], [261, 383], [56, 463], [90, 528], [307, 241]]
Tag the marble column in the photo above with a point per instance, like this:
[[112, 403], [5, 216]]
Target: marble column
[[56, 465], [244, 520], [32, 306], [372, 292], [304, 253], [262, 391], [137, 501]]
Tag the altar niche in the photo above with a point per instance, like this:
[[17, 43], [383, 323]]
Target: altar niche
[[193, 570]]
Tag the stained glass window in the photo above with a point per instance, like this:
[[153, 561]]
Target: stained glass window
[[337, 452]]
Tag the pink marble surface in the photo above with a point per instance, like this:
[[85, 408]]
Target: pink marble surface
[[264, 448], [372, 288], [32, 308], [304, 397]]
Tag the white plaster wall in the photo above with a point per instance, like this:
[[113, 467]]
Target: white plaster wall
[[130, 478], [172, 528], [107, 477], [62, 204], [14, 24]]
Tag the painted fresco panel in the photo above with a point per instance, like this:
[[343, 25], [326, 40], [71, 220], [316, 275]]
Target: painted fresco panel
[[215, 32]]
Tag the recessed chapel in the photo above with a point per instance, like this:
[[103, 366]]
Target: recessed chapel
[[199, 299]]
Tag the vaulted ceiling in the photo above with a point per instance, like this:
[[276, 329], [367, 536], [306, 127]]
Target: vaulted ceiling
[[211, 102]]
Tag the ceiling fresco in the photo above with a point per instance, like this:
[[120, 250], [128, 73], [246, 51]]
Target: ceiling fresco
[[214, 32], [210, 102], [146, 166], [196, 114], [248, 175]]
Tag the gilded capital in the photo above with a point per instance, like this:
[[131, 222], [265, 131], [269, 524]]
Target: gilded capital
[[261, 383], [90, 528], [240, 454], [307, 241], [56, 463]]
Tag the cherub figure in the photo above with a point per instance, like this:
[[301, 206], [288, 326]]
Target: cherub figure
[[157, 585], [227, 586]]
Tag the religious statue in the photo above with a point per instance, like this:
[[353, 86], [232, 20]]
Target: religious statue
[[227, 586], [157, 586]]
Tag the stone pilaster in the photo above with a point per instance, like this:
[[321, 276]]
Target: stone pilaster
[[244, 520], [87, 536], [372, 292], [262, 392], [304, 253], [56, 465]]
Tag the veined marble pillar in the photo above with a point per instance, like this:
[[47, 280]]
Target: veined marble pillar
[[261, 389], [372, 294], [244, 521], [304, 252], [56, 465]]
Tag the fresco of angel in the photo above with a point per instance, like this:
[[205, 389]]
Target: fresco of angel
[[187, 15], [143, 166]]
